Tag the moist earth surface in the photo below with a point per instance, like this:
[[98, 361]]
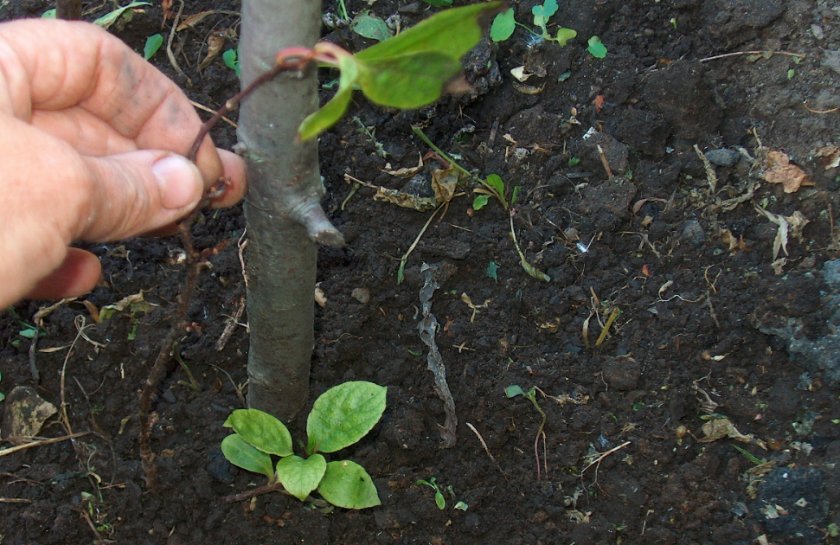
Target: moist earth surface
[[679, 193]]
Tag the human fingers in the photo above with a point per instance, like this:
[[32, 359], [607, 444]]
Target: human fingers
[[100, 87], [234, 179], [77, 275]]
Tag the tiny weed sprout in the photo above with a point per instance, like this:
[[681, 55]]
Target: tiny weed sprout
[[515, 390], [231, 60], [340, 417], [440, 500]]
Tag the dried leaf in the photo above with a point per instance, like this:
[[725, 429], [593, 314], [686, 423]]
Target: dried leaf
[[407, 172], [831, 156], [215, 44], [779, 170], [192, 20], [721, 428]]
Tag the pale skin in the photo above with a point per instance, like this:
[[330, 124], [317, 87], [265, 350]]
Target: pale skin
[[91, 138]]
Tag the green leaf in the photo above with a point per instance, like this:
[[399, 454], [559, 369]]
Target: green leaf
[[480, 201], [542, 13], [347, 484], [503, 26], [596, 48], [495, 181], [371, 27], [514, 390], [110, 18], [452, 32], [492, 271], [28, 333], [344, 414], [261, 430], [564, 35], [439, 3], [49, 14], [241, 454], [406, 81], [301, 476], [440, 501], [329, 114], [153, 43], [231, 59]]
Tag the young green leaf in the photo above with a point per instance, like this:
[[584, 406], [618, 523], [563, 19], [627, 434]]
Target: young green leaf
[[503, 25], [492, 271], [301, 476], [329, 114], [452, 32], [439, 3], [110, 18], [49, 14], [238, 452], [406, 81], [261, 430], [542, 13], [231, 60], [371, 27], [480, 201], [514, 390], [153, 43], [564, 35], [344, 414], [346, 484], [495, 181], [596, 48]]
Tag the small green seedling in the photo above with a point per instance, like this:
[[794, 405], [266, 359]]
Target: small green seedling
[[440, 500], [514, 390], [505, 23], [231, 60], [492, 186], [440, 497], [439, 3], [340, 417], [152, 46]]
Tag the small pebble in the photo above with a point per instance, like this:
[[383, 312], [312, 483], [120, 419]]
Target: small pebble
[[361, 295], [723, 157]]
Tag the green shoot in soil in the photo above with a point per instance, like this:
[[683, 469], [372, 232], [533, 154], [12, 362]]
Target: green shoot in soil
[[440, 500], [505, 23], [492, 186], [340, 417], [514, 390]]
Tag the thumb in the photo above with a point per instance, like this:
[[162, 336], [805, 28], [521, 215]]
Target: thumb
[[136, 192]]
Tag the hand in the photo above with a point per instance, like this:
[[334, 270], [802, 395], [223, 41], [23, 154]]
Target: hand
[[89, 140]]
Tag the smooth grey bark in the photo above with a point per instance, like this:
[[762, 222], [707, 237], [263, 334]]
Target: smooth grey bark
[[285, 220]]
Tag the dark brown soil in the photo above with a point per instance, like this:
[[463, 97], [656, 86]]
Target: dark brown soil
[[706, 327]]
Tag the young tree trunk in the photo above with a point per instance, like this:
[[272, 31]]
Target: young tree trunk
[[285, 220]]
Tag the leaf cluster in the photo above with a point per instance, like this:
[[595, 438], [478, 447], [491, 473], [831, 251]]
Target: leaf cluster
[[340, 417], [505, 23], [407, 71]]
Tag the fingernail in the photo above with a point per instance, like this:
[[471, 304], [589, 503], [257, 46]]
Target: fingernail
[[179, 182]]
